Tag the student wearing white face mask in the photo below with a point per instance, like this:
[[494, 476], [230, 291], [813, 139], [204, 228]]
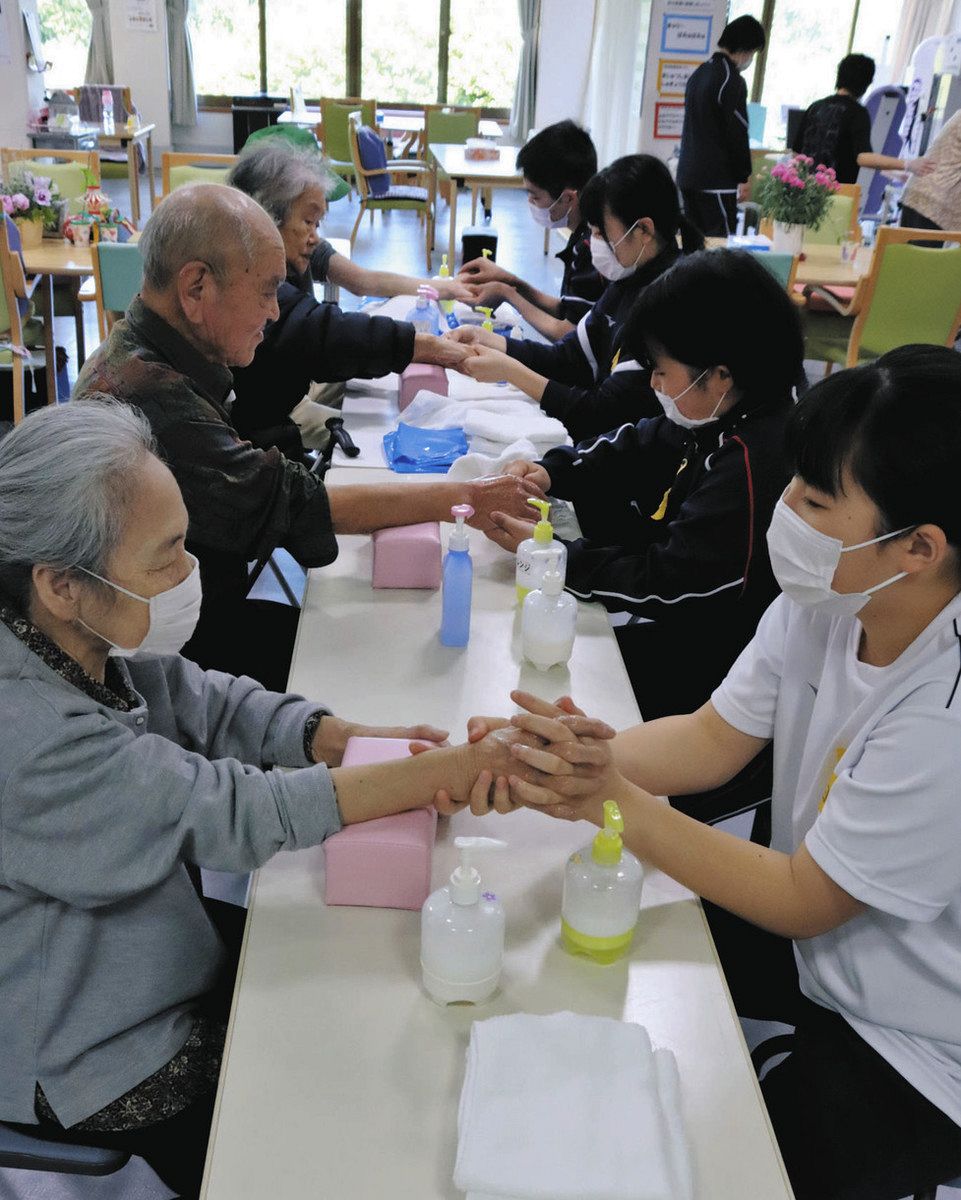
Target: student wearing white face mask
[[847, 928], [674, 507], [556, 164], [589, 380]]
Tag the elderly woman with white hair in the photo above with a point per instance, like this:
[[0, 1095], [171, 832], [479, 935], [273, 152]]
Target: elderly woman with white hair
[[120, 776], [313, 342]]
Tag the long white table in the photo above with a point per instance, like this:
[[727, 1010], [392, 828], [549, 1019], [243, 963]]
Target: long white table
[[341, 1078]]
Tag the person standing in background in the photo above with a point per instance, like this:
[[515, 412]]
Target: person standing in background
[[715, 158], [932, 199]]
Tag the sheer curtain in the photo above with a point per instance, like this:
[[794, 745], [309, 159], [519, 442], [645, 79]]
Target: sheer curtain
[[612, 100], [100, 54], [525, 92], [183, 97], [919, 19]]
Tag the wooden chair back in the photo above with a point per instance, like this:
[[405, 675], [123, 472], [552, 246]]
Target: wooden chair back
[[176, 169]]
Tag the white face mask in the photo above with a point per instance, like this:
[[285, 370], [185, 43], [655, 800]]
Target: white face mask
[[605, 260], [173, 615], [804, 562], [542, 216], [673, 413]]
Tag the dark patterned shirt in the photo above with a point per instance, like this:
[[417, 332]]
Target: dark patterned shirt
[[834, 131]]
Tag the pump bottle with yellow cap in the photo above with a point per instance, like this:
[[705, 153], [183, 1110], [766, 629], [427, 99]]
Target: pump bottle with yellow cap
[[529, 573], [602, 894]]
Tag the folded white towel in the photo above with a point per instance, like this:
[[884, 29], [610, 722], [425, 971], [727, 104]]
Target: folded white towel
[[477, 466], [568, 1107]]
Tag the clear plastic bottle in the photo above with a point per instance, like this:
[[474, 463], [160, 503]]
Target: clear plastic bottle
[[549, 617], [424, 316], [106, 104], [462, 934], [602, 894], [457, 583], [446, 306], [527, 576]]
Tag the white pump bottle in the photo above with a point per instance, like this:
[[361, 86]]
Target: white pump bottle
[[549, 616], [462, 933]]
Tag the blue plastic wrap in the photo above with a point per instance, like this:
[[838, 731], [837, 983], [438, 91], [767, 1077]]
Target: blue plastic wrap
[[410, 450]]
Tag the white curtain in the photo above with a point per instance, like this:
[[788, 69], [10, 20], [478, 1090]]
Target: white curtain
[[100, 54], [919, 19], [611, 109], [183, 98], [525, 91]]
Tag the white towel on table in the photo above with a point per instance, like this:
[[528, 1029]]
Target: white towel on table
[[478, 466], [496, 421], [568, 1107]]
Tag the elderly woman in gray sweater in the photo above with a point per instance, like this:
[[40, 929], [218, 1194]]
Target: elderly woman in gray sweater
[[120, 775]]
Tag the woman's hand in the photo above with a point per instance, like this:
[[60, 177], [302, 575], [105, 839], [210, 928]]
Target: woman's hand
[[482, 270], [454, 289], [507, 531], [492, 295], [530, 471], [473, 335], [488, 364], [332, 733], [485, 763], [574, 765]]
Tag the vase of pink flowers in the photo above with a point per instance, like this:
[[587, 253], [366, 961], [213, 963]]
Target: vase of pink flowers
[[31, 201], [795, 193]]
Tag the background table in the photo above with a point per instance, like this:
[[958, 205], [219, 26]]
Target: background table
[[822, 265], [341, 1078], [449, 161], [87, 136]]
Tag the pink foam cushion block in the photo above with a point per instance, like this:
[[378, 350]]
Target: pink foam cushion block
[[383, 863], [407, 556], [420, 377]]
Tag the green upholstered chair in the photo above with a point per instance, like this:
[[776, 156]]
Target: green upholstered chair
[[782, 266], [912, 293], [118, 271], [334, 114], [841, 220], [178, 169], [303, 139]]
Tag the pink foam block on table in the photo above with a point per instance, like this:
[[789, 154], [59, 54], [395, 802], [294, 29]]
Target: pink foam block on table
[[383, 863], [420, 377], [407, 556]]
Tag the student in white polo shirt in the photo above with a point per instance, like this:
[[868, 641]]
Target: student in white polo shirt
[[849, 926]]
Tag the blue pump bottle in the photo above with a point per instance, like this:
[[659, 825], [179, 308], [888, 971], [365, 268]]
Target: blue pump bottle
[[457, 582]]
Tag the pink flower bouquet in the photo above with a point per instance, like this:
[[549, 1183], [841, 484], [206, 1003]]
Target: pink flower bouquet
[[796, 191]]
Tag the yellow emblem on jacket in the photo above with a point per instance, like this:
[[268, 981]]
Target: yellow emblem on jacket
[[658, 514]]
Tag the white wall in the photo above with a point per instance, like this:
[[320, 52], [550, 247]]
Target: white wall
[[140, 63], [563, 55], [22, 90]]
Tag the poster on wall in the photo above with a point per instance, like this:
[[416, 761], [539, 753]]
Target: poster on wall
[[141, 15], [683, 34], [5, 56]]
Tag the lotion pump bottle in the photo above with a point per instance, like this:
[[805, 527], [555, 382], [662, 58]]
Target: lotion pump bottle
[[549, 616], [457, 582], [423, 316], [462, 933], [527, 576], [602, 894]]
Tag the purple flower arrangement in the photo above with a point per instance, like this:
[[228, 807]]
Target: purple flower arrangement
[[796, 191], [31, 196]]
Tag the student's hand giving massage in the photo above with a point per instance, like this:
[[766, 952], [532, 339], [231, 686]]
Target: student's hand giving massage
[[533, 472], [439, 350], [482, 270], [490, 295], [473, 335], [507, 531]]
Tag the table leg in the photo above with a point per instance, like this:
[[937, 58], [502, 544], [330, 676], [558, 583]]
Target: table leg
[[45, 287], [150, 174], [134, 182]]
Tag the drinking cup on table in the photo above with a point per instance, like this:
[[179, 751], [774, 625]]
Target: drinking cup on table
[[81, 235], [849, 250]]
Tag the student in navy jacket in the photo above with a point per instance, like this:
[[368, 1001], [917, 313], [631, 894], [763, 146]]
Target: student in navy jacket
[[715, 158], [589, 380], [674, 517]]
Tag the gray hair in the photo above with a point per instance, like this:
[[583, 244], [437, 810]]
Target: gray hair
[[198, 222], [66, 474], [276, 174]]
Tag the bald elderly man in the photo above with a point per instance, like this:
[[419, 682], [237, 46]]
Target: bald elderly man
[[213, 261]]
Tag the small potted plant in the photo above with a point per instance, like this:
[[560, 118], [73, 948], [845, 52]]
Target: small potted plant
[[795, 194], [31, 201]]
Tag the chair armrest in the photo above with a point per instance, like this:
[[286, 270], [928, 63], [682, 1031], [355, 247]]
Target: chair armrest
[[845, 310]]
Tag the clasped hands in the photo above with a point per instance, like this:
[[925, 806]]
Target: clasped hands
[[551, 756]]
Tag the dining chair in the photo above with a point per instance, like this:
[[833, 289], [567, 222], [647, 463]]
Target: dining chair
[[377, 190], [451, 124], [176, 169], [15, 296], [841, 221], [27, 1151], [118, 272], [305, 140], [912, 293], [334, 122]]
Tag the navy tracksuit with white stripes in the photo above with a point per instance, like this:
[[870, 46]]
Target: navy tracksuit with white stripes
[[674, 525], [715, 153]]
